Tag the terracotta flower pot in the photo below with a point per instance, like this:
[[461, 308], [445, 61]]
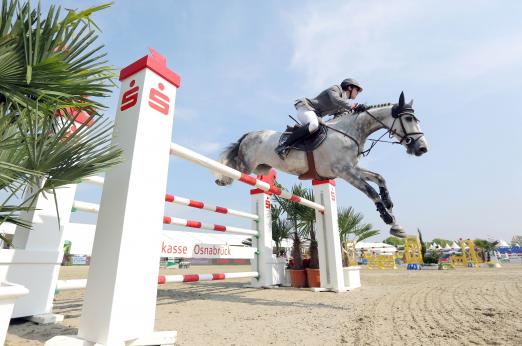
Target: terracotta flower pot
[[298, 277], [313, 277]]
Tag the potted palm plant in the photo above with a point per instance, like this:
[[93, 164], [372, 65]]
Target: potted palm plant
[[307, 225], [51, 65], [293, 212]]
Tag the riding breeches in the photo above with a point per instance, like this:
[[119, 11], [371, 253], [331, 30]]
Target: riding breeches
[[306, 116]]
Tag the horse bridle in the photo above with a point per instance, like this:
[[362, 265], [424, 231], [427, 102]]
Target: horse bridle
[[406, 137]]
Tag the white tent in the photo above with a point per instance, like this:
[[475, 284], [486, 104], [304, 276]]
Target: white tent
[[455, 246], [376, 247], [447, 247], [502, 243]]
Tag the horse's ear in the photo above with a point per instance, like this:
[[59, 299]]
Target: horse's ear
[[401, 100], [411, 103]]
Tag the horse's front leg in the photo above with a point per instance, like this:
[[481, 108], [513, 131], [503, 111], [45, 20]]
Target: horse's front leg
[[379, 180], [351, 176]]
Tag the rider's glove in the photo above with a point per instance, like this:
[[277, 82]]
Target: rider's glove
[[360, 108]]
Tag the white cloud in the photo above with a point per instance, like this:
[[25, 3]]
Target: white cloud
[[420, 41], [478, 59], [358, 37]]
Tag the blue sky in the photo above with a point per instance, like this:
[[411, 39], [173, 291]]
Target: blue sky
[[242, 63]]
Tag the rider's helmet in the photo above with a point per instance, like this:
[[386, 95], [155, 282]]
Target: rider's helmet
[[351, 82]]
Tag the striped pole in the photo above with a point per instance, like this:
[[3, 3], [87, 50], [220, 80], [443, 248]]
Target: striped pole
[[95, 180], [212, 165], [200, 205], [196, 224], [85, 206], [163, 279], [67, 285]]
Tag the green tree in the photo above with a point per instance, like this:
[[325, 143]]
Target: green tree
[[397, 242], [351, 226], [50, 64]]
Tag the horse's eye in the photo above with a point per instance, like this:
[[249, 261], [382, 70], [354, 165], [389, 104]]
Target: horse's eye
[[409, 119]]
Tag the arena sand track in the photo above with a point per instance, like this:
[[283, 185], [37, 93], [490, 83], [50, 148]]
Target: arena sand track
[[459, 307]]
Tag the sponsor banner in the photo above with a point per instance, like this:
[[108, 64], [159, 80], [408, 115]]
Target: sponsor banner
[[183, 249]]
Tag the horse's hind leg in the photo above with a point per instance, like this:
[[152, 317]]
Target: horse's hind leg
[[379, 180]]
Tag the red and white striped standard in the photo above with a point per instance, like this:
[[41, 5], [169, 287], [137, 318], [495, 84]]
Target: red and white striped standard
[[200, 205], [212, 227], [163, 279], [212, 165]]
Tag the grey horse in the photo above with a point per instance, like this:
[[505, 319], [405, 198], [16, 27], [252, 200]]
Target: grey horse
[[338, 155]]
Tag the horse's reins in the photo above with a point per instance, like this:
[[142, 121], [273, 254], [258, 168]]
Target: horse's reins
[[404, 138]]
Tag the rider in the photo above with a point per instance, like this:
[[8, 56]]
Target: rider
[[333, 100]]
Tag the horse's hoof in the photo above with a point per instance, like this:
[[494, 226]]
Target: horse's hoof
[[219, 182], [398, 231]]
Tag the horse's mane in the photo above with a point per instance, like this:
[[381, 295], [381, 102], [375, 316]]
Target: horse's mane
[[378, 106]]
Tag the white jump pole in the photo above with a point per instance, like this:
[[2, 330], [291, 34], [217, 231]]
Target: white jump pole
[[120, 297]]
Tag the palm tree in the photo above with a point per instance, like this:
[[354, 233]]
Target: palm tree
[[351, 226], [280, 226], [486, 246], [307, 222], [294, 212], [49, 66]]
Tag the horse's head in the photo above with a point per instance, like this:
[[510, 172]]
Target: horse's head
[[405, 127]]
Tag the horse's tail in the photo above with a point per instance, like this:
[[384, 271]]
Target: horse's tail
[[230, 157]]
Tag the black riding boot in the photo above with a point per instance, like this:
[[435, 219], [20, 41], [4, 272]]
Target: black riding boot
[[283, 149]]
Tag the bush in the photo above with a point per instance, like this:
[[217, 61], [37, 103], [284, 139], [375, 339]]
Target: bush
[[431, 257]]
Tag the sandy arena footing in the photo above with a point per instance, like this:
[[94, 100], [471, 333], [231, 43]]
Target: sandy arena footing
[[394, 307]]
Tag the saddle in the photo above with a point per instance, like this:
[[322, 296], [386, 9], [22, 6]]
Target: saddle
[[308, 144]]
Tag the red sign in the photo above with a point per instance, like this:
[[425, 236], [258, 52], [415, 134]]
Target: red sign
[[130, 97], [158, 100]]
